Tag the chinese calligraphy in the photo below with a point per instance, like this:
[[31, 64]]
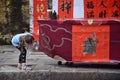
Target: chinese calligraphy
[[90, 5], [90, 14], [115, 4], [39, 12], [102, 14], [66, 6], [102, 8], [102, 4], [115, 14]]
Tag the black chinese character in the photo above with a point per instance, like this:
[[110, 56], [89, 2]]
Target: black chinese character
[[90, 14], [115, 4], [102, 14], [90, 5], [102, 4], [68, 6], [115, 14], [65, 6], [62, 5]]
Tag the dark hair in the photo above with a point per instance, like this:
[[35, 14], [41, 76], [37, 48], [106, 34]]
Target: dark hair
[[29, 39]]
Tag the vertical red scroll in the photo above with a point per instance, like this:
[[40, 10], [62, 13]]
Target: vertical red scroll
[[39, 12], [65, 9]]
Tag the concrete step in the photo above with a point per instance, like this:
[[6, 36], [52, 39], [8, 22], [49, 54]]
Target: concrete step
[[59, 75], [46, 68]]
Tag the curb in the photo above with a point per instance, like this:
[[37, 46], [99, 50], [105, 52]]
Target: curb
[[59, 75]]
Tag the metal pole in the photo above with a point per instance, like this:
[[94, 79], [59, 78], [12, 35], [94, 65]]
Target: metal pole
[[31, 16]]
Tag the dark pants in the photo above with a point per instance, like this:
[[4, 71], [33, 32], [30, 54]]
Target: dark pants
[[22, 56]]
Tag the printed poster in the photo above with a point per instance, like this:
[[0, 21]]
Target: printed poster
[[90, 43]]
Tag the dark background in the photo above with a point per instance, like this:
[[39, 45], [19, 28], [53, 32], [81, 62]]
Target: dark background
[[14, 18]]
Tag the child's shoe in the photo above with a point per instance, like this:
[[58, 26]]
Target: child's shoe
[[19, 67], [26, 68]]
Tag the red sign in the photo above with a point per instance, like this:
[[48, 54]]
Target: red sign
[[102, 8], [40, 12], [88, 9], [65, 8], [90, 43]]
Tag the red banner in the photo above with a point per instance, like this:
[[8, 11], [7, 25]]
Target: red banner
[[90, 43], [114, 9], [90, 8], [102, 8], [68, 9], [40, 12], [65, 8]]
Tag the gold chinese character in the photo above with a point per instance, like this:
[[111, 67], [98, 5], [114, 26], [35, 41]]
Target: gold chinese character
[[41, 16], [40, 8]]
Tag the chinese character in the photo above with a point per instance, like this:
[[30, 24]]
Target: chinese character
[[102, 14], [68, 6], [90, 14], [115, 4], [40, 8], [102, 4], [115, 14], [65, 5], [90, 5], [40, 16], [62, 5]]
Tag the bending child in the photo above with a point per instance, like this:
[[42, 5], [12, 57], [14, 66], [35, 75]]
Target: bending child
[[20, 41]]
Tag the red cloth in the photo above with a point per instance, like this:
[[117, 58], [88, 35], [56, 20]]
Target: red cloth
[[56, 37]]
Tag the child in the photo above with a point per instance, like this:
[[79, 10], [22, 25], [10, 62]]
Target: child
[[20, 41]]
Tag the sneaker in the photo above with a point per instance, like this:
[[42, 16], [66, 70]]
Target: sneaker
[[26, 68], [19, 67]]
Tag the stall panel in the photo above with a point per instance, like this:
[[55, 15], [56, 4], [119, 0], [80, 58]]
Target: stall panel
[[81, 40]]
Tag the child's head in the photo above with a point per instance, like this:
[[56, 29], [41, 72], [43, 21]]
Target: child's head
[[29, 39]]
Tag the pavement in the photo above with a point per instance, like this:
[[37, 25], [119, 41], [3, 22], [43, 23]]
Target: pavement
[[46, 68]]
